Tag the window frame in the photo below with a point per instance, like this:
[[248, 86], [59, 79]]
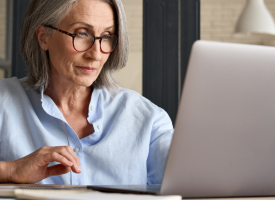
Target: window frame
[[170, 27], [18, 66]]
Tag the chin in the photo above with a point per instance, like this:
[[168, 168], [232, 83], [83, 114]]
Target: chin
[[85, 82]]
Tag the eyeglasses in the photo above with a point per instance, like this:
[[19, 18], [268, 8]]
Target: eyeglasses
[[83, 41]]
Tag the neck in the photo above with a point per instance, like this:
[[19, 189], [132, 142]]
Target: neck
[[69, 97]]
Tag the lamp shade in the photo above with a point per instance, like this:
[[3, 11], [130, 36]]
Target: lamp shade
[[255, 18]]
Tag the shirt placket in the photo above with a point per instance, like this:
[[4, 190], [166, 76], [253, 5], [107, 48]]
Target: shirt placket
[[75, 144]]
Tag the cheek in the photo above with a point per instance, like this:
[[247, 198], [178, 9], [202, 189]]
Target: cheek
[[59, 42], [61, 50], [104, 58]]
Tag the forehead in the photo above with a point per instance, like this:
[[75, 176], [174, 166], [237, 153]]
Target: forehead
[[93, 12]]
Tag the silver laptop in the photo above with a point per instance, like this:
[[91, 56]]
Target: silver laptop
[[224, 140]]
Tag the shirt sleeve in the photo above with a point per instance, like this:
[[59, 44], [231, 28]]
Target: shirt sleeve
[[161, 137]]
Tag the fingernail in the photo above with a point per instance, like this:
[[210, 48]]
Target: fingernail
[[70, 163], [79, 169]]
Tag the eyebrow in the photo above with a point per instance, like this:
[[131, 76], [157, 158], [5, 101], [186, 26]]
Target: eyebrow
[[90, 26]]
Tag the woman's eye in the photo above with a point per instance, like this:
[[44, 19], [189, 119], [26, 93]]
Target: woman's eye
[[106, 37], [83, 34]]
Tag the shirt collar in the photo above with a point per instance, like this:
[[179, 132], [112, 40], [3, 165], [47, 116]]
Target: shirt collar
[[95, 112]]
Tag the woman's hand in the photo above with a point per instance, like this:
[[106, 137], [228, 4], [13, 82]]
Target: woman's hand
[[34, 167]]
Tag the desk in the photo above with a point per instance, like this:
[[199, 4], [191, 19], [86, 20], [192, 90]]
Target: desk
[[70, 192], [81, 192], [254, 198]]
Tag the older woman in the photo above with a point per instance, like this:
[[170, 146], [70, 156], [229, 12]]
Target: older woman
[[69, 122]]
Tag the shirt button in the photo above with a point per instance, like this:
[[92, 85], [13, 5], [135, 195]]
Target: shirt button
[[99, 127], [91, 107], [76, 149]]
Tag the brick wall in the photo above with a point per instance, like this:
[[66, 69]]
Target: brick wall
[[2, 73], [219, 18], [2, 29], [133, 11], [131, 76]]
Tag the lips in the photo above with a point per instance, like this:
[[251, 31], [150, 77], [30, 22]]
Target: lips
[[87, 70]]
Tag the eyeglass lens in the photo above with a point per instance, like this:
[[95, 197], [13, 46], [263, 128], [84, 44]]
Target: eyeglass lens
[[84, 41]]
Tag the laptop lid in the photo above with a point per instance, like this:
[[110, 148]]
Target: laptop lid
[[224, 140]]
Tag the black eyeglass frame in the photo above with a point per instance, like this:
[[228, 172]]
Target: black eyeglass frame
[[74, 35]]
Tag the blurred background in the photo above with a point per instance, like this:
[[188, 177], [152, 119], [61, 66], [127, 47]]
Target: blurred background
[[220, 17], [218, 23]]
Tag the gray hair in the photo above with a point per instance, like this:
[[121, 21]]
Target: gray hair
[[42, 12]]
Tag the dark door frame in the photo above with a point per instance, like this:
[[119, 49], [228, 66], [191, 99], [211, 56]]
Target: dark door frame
[[18, 66], [170, 27]]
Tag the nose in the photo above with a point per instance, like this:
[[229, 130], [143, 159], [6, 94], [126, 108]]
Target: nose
[[94, 52]]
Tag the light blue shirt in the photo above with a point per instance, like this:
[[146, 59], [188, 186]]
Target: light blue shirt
[[129, 146]]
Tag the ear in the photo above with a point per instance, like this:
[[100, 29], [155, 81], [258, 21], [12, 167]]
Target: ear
[[42, 37]]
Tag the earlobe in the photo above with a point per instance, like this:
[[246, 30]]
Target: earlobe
[[42, 37]]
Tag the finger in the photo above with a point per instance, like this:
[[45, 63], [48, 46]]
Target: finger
[[70, 155], [57, 170], [74, 155], [62, 154], [51, 157], [64, 161], [66, 151]]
